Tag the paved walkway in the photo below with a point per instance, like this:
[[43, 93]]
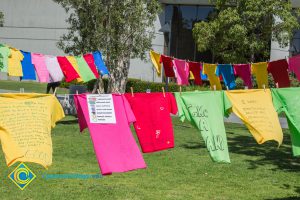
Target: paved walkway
[[234, 119], [8, 91]]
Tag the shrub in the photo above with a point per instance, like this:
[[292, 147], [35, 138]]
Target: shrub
[[140, 86]]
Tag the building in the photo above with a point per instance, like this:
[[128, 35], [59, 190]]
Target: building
[[36, 26]]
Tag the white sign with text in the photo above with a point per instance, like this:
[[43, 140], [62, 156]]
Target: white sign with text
[[101, 108]]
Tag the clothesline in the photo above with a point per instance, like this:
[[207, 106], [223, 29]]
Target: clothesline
[[184, 71], [48, 68]]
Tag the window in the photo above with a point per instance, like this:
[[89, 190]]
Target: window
[[182, 19]]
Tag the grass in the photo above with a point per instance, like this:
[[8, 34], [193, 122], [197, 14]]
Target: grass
[[28, 86], [185, 172]]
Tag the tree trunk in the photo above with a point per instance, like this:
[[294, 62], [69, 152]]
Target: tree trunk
[[118, 76], [99, 86]]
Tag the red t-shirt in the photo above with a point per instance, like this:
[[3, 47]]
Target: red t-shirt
[[168, 65], [67, 69], [89, 58], [195, 68], [278, 69], [153, 124]]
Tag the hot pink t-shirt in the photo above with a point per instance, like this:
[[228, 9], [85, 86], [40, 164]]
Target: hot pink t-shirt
[[294, 65], [89, 58], [153, 124], [244, 72], [181, 69], [38, 60], [114, 144]]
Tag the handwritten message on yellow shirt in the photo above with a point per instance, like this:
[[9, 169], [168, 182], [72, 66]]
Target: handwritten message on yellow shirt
[[255, 109], [25, 127]]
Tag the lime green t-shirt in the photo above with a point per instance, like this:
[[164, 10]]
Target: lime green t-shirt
[[4, 54], [84, 70], [205, 110], [287, 100]]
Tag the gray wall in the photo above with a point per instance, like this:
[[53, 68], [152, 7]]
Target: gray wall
[[36, 26]]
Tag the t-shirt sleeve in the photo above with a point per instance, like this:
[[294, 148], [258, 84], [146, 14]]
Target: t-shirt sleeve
[[173, 104], [204, 70], [252, 68], [57, 112], [182, 110], [21, 57], [8, 53], [129, 113], [218, 73], [80, 114], [161, 59], [276, 101], [226, 105], [232, 70]]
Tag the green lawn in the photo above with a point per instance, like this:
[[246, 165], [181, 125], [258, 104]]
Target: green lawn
[[185, 172], [28, 86]]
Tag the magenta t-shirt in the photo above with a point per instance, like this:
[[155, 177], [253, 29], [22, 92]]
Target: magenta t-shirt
[[114, 144], [38, 60], [181, 69], [294, 65], [244, 72]]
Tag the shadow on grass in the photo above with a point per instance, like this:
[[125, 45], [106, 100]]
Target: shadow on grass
[[285, 186], [71, 121], [266, 154], [261, 154]]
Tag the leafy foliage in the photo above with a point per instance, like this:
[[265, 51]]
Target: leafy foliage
[[241, 30], [119, 29]]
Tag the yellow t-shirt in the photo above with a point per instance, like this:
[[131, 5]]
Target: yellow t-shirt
[[25, 127], [255, 109], [14, 62], [210, 71], [259, 70], [155, 58], [74, 64], [191, 76]]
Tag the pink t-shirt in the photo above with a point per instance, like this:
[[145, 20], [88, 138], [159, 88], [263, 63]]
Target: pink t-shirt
[[114, 144], [54, 68], [181, 69], [38, 60], [244, 72], [294, 65]]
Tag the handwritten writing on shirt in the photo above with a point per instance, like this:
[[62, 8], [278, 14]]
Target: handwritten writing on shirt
[[23, 120], [213, 141]]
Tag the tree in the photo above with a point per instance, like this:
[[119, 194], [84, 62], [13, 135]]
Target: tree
[[119, 29], [242, 30]]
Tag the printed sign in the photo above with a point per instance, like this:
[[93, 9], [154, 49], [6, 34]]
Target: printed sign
[[101, 108]]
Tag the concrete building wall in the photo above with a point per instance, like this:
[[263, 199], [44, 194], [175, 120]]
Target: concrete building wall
[[36, 26]]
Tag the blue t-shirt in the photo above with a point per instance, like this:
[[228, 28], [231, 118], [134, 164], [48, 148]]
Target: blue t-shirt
[[27, 67], [100, 63], [203, 76], [226, 70]]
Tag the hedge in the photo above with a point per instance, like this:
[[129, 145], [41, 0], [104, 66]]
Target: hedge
[[142, 86]]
